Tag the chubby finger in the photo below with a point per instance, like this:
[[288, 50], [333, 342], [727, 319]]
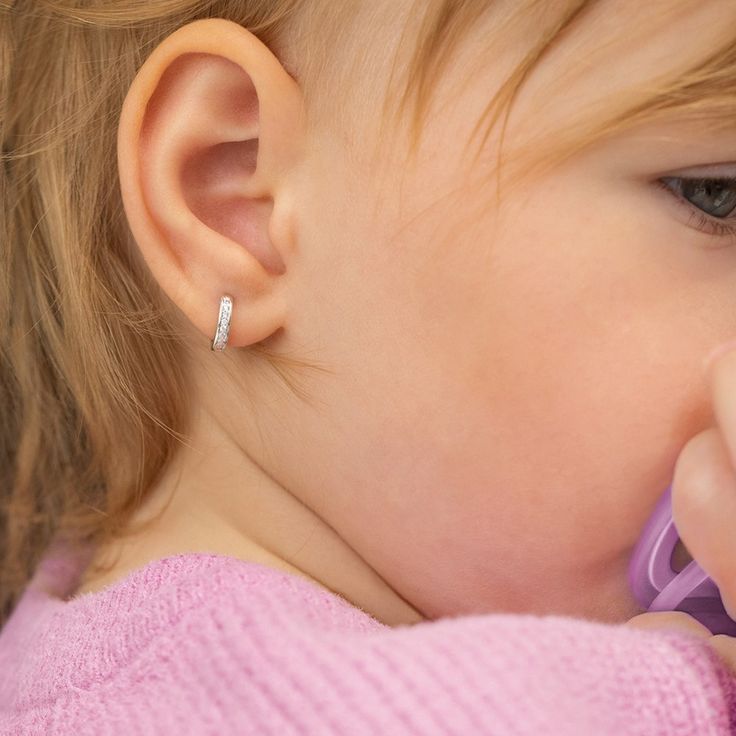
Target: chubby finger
[[726, 648], [704, 509], [722, 377], [669, 620]]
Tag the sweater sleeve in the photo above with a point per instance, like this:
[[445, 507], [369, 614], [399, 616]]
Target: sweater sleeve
[[515, 675], [499, 674], [224, 648]]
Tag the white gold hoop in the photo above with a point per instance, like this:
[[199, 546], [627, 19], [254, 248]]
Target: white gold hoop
[[223, 323]]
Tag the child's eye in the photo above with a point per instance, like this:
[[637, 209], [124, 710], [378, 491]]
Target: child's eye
[[711, 196]]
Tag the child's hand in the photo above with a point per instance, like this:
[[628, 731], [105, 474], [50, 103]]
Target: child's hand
[[704, 504], [723, 644]]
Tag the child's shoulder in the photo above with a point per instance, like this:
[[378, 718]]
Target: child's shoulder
[[221, 644]]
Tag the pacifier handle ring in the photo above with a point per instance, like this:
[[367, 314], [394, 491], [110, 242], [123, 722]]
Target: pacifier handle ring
[[679, 588]]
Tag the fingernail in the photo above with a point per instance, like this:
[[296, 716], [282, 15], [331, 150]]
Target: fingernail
[[716, 353]]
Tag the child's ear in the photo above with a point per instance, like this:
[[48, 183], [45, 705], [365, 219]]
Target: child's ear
[[209, 133]]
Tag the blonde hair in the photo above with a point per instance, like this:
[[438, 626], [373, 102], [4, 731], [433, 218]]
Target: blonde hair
[[92, 365]]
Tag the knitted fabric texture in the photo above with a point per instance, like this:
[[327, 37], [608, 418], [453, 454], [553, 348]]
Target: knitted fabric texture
[[204, 643]]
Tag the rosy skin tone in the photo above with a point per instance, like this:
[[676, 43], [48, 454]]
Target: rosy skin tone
[[511, 388], [704, 504]]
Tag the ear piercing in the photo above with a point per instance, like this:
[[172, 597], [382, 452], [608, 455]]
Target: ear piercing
[[223, 323]]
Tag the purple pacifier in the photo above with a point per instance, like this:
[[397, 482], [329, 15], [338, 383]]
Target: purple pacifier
[[657, 587]]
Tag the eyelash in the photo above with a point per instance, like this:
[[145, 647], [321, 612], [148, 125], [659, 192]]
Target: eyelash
[[703, 222]]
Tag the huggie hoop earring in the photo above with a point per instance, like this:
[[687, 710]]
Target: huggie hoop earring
[[223, 323]]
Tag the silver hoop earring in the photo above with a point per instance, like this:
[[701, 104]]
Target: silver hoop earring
[[223, 323]]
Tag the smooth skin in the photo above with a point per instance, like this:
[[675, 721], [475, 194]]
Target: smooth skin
[[509, 388], [704, 504]]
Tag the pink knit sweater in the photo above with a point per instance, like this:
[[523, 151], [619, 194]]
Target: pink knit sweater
[[202, 643]]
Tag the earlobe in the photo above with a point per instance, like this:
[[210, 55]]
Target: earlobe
[[208, 134]]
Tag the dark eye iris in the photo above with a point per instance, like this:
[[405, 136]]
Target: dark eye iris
[[716, 197]]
